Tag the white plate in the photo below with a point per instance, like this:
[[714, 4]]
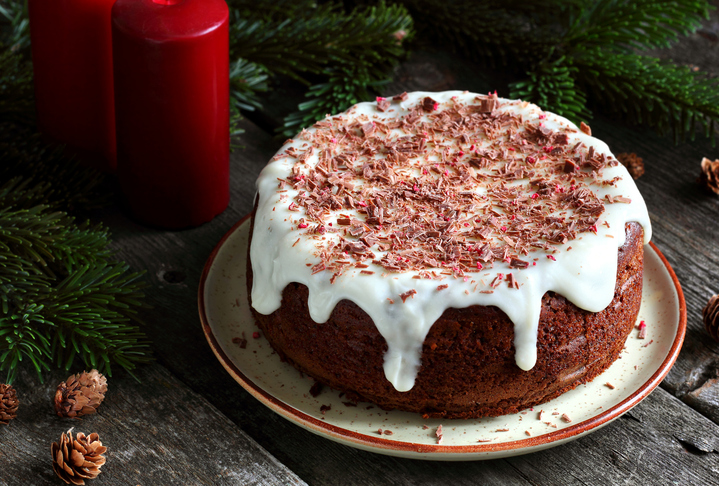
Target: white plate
[[225, 314]]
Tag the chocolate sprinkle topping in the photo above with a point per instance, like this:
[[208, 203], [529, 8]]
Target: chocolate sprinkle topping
[[444, 189]]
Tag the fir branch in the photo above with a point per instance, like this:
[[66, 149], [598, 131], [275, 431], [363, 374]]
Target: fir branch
[[307, 44], [634, 24], [246, 80], [586, 50], [343, 88], [510, 31], [62, 292], [14, 14], [55, 178], [552, 87], [657, 93]]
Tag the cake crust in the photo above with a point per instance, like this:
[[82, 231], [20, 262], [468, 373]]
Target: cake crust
[[468, 366]]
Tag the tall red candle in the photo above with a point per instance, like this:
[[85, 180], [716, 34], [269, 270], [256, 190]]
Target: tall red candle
[[72, 60], [171, 68]]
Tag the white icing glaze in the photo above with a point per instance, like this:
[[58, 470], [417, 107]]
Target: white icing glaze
[[586, 275]]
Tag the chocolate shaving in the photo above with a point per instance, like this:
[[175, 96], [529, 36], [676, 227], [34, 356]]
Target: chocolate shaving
[[633, 163], [382, 104], [406, 295], [487, 105], [428, 104], [241, 341], [517, 263], [401, 97], [585, 128]]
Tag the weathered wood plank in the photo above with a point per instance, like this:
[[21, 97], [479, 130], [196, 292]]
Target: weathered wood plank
[[660, 441], [158, 432]]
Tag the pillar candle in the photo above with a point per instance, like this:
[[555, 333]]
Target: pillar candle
[[171, 71], [72, 62]]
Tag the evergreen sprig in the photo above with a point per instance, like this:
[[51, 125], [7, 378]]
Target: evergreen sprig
[[63, 294], [575, 53], [322, 34], [552, 84], [342, 55], [343, 88], [14, 16]]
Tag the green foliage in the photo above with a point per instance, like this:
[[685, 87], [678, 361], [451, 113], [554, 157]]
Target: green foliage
[[553, 85], [343, 55], [15, 23], [343, 88], [574, 52], [657, 93], [246, 80], [63, 295]]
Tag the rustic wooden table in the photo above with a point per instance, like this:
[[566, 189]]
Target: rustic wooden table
[[187, 421]]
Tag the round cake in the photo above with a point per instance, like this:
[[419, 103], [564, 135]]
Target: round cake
[[452, 254]]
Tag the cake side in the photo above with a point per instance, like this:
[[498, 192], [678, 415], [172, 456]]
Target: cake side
[[468, 368]]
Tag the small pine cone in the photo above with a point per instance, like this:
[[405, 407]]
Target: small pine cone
[[709, 177], [81, 394], [8, 404], [77, 459], [710, 315]]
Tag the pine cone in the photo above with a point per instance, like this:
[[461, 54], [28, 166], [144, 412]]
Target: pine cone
[[710, 315], [81, 394], [709, 177], [8, 404], [77, 459]]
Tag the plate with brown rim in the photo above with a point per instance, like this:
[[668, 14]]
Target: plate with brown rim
[[236, 341]]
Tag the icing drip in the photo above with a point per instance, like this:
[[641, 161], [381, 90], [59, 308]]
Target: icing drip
[[288, 245]]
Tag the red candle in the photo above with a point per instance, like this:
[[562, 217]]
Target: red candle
[[172, 104], [72, 59]]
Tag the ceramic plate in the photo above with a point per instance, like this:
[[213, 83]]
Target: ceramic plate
[[226, 320]]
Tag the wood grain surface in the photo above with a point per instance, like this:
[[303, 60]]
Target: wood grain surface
[[188, 422]]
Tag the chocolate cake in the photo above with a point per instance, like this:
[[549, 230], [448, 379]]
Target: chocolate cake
[[451, 254]]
